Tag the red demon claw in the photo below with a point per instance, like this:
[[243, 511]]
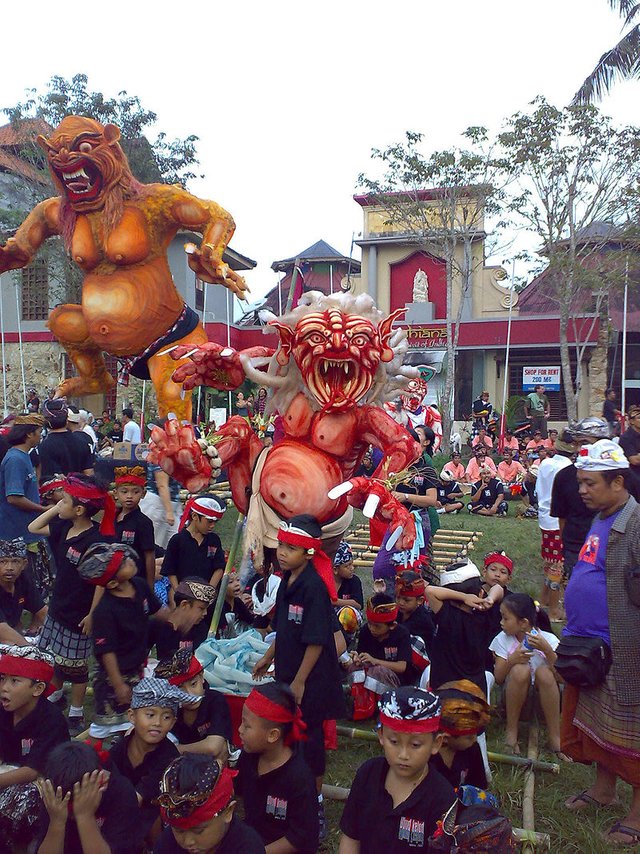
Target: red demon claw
[[176, 450]]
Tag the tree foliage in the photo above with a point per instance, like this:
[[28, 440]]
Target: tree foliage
[[575, 178], [469, 184]]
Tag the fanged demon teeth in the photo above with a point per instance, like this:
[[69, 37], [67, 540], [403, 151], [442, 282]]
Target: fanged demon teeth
[[69, 176]]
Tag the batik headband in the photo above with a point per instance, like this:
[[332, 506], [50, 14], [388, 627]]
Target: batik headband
[[135, 476], [204, 505], [321, 562], [343, 555], [58, 481], [197, 591], [30, 420], [409, 709], [16, 548], [501, 558], [190, 810], [159, 692], [268, 710], [385, 613], [180, 668], [465, 710], [410, 584], [89, 493], [100, 563]]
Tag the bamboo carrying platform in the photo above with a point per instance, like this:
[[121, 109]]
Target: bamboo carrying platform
[[448, 546]]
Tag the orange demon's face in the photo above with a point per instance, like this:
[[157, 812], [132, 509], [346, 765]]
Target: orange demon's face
[[85, 160], [414, 395], [337, 354]]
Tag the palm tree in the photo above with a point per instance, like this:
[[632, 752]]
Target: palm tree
[[623, 60]]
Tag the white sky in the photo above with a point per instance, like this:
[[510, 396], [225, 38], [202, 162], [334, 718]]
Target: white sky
[[288, 98]]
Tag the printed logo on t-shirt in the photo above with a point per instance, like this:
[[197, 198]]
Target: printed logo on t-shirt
[[128, 537], [390, 653], [25, 746], [418, 480], [73, 555], [486, 493], [21, 600], [211, 550], [277, 807], [185, 644], [203, 729], [99, 641], [295, 613], [412, 831], [589, 551]]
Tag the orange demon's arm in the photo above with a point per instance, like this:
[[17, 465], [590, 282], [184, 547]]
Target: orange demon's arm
[[41, 223], [238, 450], [377, 428], [216, 226]]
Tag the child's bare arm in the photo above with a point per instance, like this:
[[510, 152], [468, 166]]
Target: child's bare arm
[[348, 845], [40, 524], [18, 777], [122, 690], [437, 596], [280, 846], [311, 655]]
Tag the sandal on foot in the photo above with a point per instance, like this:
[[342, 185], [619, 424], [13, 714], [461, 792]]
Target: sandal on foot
[[618, 827], [512, 749], [584, 799], [561, 756]]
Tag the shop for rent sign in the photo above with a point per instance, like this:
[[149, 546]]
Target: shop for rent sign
[[547, 376]]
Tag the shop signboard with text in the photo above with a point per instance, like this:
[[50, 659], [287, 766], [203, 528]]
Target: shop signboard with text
[[547, 376]]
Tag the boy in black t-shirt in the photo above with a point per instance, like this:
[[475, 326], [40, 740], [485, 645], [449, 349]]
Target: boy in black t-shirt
[[449, 494], [103, 810], [277, 786], [120, 631], [197, 802], [67, 629], [384, 647], [348, 585], [132, 527], [412, 611], [143, 754], [18, 593], [205, 725], [30, 727], [192, 598], [465, 715], [397, 799], [498, 569]]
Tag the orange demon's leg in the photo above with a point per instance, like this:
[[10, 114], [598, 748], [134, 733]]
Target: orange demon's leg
[[168, 392], [68, 325]]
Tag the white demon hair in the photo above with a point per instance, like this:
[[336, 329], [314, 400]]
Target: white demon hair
[[391, 379]]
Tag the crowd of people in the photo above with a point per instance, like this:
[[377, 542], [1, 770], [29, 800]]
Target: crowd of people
[[97, 575]]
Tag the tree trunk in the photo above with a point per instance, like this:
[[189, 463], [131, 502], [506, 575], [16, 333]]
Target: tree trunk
[[565, 362], [445, 400]]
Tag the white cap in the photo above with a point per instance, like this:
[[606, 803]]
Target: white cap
[[459, 572], [603, 455]]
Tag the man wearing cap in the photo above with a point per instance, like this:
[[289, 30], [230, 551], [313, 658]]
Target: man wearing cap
[[62, 452], [601, 724], [630, 442]]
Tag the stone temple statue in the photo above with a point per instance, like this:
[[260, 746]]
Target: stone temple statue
[[420, 287]]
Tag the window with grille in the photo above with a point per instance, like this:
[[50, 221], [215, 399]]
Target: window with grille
[[35, 291]]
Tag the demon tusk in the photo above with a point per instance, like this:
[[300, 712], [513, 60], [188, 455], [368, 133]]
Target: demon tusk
[[371, 505], [340, 489], [393, 539], [190, 353], [171, 349], [226, 352]]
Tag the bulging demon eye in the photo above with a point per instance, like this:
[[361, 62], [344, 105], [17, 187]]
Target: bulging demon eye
[[316, 338], [85, 147], [360, 340]]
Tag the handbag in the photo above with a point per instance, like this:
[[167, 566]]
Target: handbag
[[583, 662]]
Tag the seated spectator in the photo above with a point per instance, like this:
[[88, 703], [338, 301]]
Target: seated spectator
[[236, 616], [192, 599], [384, 647], [510, 471], [535, 442], [482, 438], [348, 584], [412, 611], [143, 754], [455, 468], [18, 593], [397, 799], [550, 441], [197, 803], [511, 442], [465, 714], [30, 728], [478, 461], [85, 808], [203, 726], [449, 494], [487, 496]]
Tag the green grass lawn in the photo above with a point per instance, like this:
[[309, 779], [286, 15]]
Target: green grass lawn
[[570, 834]]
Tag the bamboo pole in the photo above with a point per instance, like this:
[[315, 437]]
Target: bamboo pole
[[222, 590], [528, 817]]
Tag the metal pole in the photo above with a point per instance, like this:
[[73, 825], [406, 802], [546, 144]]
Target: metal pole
[[144, 395], [623, 394], [24, 383], [505, 385], [330, 278], [279, 296], [204, 324], [4, 361]]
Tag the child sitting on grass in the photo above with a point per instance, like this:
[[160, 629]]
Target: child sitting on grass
[[525, 655], [461, 612], [497, 569], [197, 803], [84, 809], [278, 788], [465, 714], [204, 726], [143, 754], [449, 494], [348, 585], [30, 728], [384, 646], [120, 631], [397, 799]]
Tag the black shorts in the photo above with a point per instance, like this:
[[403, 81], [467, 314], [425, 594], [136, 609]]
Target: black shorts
[[313, 748]]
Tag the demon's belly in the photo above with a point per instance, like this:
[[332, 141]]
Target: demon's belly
[[128, 309], [295, 479]]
